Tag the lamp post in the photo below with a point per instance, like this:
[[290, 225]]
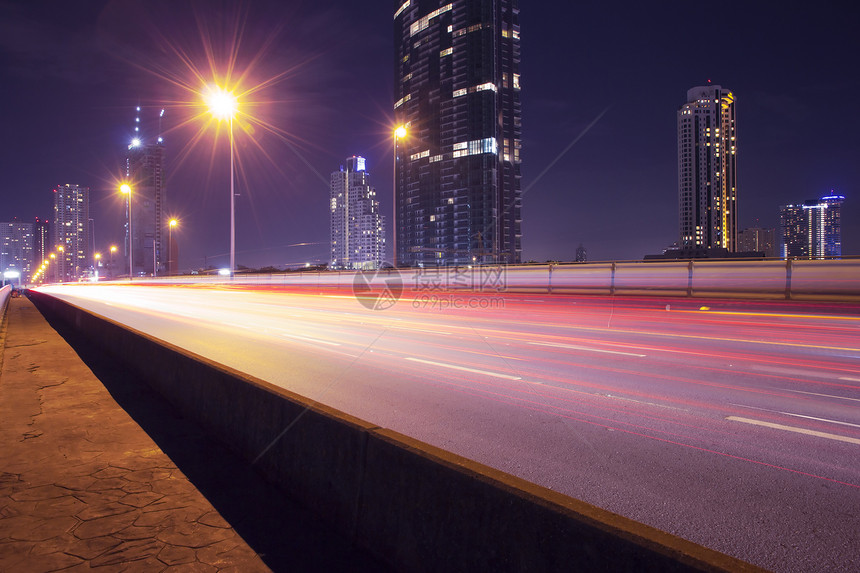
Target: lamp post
[[222, 105], [112, 262], [126, 189], [399, 133], [170, 225], [61, 260]]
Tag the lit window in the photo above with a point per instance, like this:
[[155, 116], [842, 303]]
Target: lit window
[[402, 100], [424, 22], [402, 8]]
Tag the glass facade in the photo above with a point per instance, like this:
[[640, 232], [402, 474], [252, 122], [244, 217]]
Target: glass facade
[[357, 228], [457, 168], [812, 230], [145, 174], [707, 160], [71, 231]]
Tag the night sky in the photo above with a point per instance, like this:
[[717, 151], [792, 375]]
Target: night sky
[[71, 74]]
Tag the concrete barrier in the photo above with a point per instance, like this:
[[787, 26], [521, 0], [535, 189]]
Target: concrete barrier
[[5, 293], [822, 280], [415, 506]]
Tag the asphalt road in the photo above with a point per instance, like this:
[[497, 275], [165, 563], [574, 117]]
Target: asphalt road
[[734, 424]]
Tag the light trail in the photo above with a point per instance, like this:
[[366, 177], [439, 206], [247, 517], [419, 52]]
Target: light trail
[[546, 391]]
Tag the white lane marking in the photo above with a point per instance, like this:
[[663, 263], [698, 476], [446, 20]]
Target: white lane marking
[[641, 402], [585, 348], [420, 330], [464, 369], [799, 416], [794, 429], [849, 379], [309, 339], [822, 395], [792, 371]]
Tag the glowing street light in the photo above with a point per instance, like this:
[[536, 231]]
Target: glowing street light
[[170, 225], [224, 105], [112, 262], [125, 189]]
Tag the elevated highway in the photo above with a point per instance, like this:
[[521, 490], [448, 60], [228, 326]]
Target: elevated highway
[[731, 423]]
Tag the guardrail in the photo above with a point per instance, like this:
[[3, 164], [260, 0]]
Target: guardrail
[[5, 293], [837, 279]]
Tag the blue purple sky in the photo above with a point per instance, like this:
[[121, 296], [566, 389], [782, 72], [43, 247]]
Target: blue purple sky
[[72, 74]]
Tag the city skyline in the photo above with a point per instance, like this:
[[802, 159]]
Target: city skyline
[[597, 94]]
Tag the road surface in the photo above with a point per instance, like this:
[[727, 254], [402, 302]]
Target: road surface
[[734, 424]]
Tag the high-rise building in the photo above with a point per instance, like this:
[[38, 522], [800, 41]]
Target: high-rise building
[[813, 229], [145, 174], [457, 168], [70, 232], [357, 228], [707, 160], [41, 241], [757, 240], [16, 249]]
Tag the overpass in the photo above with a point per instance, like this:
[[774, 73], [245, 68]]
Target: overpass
[[704, 418]]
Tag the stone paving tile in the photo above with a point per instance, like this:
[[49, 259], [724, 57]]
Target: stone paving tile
[[83, 487]]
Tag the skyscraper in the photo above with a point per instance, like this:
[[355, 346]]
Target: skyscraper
[[71, 231], [357, 228], [457, 169], [707, 186], [145, 175], [16, 249], [812, 230], [41, 241]]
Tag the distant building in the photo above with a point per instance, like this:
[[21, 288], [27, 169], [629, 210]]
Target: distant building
[[759, 240], [581, 254], [813, 229], [16, 250], [357, 228], [41, 241], [707, 186], [457, 168], [145, 174], [70, 233]]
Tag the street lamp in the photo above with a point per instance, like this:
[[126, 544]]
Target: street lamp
[[111, 262], [399, 133], [170, 225], [125, 188], [223, 105]]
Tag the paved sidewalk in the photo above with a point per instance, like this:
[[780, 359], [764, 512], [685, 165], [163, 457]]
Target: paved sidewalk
[[83, 486]]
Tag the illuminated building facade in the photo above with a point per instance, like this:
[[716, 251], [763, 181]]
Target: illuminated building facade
[[145, 174], [707, 161], [41, 241], [457, 169], [357, 228], [757, 240], [16, 249], [70, 231], [812, 230]]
